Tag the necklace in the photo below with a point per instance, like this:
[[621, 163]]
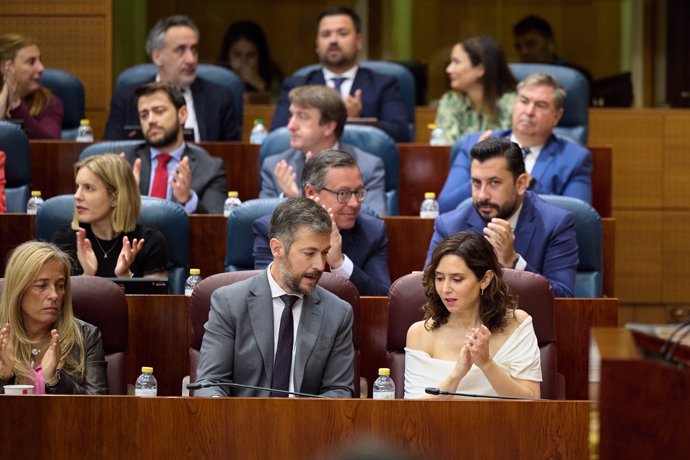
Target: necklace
[[35, 352], [105, 253]]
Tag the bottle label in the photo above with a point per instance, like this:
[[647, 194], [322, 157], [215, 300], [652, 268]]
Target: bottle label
[[384, 395], [145, 392], [428, 214], [188, 291]]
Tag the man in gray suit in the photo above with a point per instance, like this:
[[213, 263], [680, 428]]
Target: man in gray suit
[[188, 174], [245, 337], [317, 120]]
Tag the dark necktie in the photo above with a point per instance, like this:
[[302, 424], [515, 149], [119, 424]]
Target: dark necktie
[[159, 188], [283, 359], [338, 82], [525, 151]]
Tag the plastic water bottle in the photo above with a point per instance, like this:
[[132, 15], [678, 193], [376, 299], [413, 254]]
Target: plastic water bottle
[[384, 387], [146, 383], [84, 132], [34, 203], [429, 208], [437, 137], [193, 279], [259, 133], [231, 203]]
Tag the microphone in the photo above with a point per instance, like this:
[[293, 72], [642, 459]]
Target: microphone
[[665, 347], [197, 386], [436, 391]]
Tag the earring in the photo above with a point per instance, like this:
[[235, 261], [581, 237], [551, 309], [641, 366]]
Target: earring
[[482, 291]]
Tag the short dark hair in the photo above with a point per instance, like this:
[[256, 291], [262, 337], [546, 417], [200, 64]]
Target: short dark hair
[[532, 22], [156, 37], [316, 168], [174, 94], [337, 11], [295, 213], [326, 100], [497, 147], [479, 256]]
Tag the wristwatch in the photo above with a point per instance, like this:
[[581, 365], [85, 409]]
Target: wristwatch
[[52, 388]]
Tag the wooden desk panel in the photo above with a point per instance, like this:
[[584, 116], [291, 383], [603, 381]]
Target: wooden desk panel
[[574, 320], [159, 337], [115, 427], [423, 168], [15, 229], [408, 242]]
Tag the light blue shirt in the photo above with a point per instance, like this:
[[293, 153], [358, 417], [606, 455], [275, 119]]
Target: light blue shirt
[[189, 206]]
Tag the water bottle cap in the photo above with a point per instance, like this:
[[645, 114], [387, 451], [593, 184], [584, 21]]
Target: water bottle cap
[[430, 196], [35, 193], [84, 121], [194, 271], [233, 194], [384, 371], [257, 121], [431, 126], [147, 370]]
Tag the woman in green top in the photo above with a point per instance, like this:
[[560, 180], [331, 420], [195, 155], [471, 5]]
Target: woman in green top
[[483, 89]]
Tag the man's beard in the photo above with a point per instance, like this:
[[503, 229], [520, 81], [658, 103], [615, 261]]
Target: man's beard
[[292, 282], [503, 212], [168, 138]]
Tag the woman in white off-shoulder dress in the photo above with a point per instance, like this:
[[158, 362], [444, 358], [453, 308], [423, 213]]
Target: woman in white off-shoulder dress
[[473, 339]]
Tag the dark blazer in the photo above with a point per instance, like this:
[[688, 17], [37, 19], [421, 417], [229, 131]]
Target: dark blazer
[[215, 114], [95, 379], [370, 166], [208, 175], [380, 99], [238, 342], [544, 237], [366, 244], [563, 168]]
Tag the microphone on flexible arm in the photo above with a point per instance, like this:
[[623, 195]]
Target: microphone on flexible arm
[[665, 352], [436, 391], [198, 386]]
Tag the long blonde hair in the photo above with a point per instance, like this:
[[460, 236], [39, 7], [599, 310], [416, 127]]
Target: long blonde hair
[[10, 44], [119, 180], [21, 271]]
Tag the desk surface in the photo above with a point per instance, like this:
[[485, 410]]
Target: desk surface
[[129, 427]]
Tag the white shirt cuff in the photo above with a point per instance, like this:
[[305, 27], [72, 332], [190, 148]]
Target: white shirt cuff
[[521, 263], [345, 270]]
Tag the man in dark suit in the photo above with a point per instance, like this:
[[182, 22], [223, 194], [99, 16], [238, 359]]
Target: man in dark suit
[[317, 121], [365, 93], [527, 233], [556, 166], [166, 166], [253, 324], [172, 45], [359, 245]]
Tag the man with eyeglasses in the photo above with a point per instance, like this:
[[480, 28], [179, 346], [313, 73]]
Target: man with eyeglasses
[[358, 240], [317, 121]]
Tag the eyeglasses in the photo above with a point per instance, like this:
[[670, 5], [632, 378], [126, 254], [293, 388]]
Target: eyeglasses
[[343, 196]]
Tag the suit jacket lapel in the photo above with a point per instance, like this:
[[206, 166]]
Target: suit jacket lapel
[[260, 310], [307, 333], [546, 157], [525, 226], [144, 153], [199, 107], [362, 81]]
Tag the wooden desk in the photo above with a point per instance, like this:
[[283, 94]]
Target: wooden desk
[[643, 402], [117, 427]]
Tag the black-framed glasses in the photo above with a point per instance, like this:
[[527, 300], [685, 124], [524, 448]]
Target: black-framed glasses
[[343, 196]]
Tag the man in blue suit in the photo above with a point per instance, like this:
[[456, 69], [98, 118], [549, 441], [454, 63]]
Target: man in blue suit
[[526, 232], [365, 93], [556, 166], [317, 121], [172, 45], [359, 245]]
